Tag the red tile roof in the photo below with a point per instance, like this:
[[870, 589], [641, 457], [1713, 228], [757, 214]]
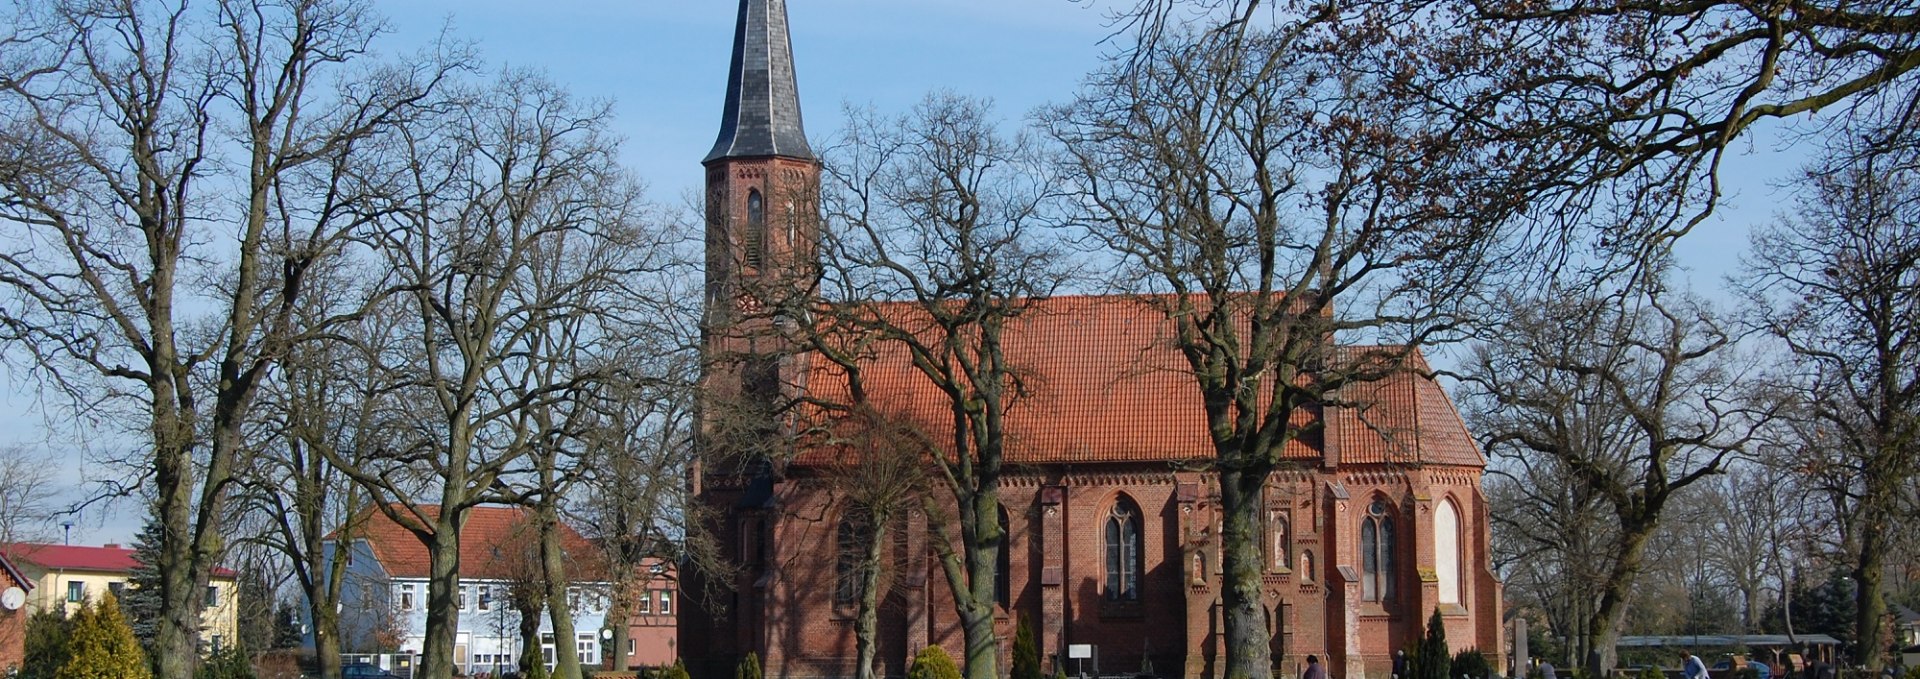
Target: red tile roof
[[488, 541], [111, 559], [1106, 385]]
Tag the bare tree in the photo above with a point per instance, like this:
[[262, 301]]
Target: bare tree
[[635, 504], [509, 236], [1628, 131], [1635, 395], [1274, 201], [1836, 283], [323, 404], [880, 470], [27, 492], [934, 250], [155, 255]]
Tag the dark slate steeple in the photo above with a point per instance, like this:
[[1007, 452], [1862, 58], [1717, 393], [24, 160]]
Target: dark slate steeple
[[763, 101]]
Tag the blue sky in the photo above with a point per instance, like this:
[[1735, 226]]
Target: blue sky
[[663, 64]]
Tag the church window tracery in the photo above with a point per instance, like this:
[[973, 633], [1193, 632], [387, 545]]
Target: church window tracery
[[1376, 553]]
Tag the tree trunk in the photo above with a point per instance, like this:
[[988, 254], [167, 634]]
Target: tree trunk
[[326, 640], [566, 652], [443, 591], [970, 576], [1603, 626], [615, 658], [1249, 649], [1870, 607], [533, 663], [176, 633], [867, 624]]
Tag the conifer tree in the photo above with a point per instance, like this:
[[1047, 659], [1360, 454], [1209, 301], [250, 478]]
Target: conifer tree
[[1026, 653], [749, 667], [1430, 657], [46, 644], [102, 646], [141, 600]]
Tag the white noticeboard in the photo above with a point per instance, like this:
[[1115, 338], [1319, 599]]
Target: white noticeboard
[[1079, 651]]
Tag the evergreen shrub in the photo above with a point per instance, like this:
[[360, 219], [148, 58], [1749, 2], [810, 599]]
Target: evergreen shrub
[[932, 662]]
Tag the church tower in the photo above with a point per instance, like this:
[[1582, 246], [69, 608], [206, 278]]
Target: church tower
[[762, 212], [763, 182]]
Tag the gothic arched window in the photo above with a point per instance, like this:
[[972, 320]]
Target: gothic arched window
[[850, 566], [1280, 548], [1123, 551], [756, 242], [1376, 553], [1446, 551], [1003, 565]]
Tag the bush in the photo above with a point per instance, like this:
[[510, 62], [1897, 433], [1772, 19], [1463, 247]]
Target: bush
[[46, 644], [102, 645], [932, 663], [1652, 673], [1026, 653], [1471, 663], [675, 671], [226, 663], [749, 667]]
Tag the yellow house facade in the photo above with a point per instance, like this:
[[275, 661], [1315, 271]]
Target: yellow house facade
[[67, 576]]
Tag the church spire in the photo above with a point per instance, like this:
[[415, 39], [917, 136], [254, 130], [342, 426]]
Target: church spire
[[762, 117]]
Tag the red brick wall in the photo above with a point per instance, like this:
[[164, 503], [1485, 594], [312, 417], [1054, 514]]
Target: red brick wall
[[802, 632]]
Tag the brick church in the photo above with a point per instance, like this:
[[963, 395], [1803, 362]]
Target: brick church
[[1376, 520]]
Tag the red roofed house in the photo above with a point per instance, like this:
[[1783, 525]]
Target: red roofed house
[[66, 576], [13, 615], [1377, 521], [383, 609]]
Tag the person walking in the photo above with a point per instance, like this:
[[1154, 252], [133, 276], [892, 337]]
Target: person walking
[[1693, 667], [1313, 671], [1546, 670]]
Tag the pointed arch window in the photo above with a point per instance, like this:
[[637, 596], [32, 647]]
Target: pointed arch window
[[1123, 550], [850, 568], [1376, 553], [1446, 551], [1280, 545], [1003, 565], [756, 241]]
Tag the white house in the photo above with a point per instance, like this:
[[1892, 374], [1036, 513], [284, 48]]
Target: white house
[[383, 609]]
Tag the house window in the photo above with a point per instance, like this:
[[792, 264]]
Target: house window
[[1123, 551], [756, 229], [76, 592], [589, 649], [646, 602], [1376, 553], [666, 602], [486, 597], [633, 647], [1446, 550], [1306, 566], [213, 596], [406, 597], [460, 601]]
